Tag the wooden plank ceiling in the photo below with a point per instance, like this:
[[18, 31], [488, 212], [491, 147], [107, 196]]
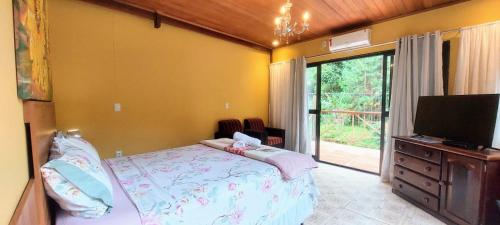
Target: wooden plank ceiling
[[252, 21]]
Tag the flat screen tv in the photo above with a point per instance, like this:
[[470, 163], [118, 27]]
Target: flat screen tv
[[465, 118]]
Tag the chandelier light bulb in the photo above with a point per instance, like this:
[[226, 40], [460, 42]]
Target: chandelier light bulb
[[306, 16], [277, 21], [283, 10]]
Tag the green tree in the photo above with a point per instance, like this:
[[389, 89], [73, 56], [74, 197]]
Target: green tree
[[352, 84]]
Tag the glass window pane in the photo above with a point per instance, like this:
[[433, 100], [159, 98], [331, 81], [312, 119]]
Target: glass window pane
[[351, 105], [311, 76]]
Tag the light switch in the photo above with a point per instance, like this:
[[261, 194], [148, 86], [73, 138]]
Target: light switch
[[226, 105], [118, 107]]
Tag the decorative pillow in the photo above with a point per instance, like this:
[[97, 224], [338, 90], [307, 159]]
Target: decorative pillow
[[62, 144], [79, 184]]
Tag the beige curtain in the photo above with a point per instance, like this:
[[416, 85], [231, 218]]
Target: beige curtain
[[280, 97], [288, 103], [417, 72], [478, 66]]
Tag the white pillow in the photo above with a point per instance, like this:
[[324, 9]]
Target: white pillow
[[62, 144], [79, 184], [77, 143], [75, 179]]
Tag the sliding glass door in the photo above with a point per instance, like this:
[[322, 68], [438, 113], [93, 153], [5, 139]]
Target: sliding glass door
[[348, 107]]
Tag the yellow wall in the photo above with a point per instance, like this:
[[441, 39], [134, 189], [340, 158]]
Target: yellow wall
[[13, 154], [451, 17], [172, 83]]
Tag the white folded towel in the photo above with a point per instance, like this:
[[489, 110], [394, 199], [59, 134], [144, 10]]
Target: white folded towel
[[237, 136], [239, 144]]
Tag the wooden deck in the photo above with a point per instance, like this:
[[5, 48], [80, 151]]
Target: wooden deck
[[356, 157]]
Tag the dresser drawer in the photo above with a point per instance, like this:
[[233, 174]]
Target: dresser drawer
[[417, 180], [419, 151], [418, 165], [417, 195]]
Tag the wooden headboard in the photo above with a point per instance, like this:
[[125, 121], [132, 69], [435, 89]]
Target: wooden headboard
[[33, 207]]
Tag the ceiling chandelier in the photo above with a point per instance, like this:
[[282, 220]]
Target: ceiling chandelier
[[285, 28]]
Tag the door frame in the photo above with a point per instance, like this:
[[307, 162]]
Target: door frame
[[317, 112]]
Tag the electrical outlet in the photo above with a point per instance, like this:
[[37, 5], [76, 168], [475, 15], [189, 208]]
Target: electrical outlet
[[119, 153]]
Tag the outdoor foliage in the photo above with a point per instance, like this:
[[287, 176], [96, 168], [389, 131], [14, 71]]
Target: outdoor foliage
[[352, 85]]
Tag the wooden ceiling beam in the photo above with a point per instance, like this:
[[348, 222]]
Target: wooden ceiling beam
[[156, 20]]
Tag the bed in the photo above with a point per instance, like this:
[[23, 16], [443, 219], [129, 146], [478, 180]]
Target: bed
[[197, 185]]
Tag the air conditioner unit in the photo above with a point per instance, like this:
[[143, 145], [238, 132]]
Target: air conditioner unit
[[350, 41]]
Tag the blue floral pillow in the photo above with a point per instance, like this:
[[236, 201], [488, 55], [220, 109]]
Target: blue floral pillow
[[79, 184]]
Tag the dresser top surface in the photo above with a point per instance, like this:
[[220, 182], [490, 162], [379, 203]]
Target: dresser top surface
[[486, 154]]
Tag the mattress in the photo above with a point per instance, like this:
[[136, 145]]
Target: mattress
[[196, 185]]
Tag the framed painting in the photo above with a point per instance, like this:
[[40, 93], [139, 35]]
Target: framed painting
[[32, 48]]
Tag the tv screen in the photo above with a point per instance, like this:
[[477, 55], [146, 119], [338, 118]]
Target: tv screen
[[467, 118]]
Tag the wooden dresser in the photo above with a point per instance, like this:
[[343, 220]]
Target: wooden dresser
[[457, 186]]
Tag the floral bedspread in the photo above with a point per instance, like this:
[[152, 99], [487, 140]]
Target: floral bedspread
[[198, 185]]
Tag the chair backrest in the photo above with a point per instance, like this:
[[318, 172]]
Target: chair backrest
[[254, 124], [230, 126]]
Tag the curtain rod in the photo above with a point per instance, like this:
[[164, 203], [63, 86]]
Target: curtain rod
[[393, 42]]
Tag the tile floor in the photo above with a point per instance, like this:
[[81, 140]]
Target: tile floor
[[354, 198]]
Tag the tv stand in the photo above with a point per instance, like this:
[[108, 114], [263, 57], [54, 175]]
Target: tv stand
[[457, 186], [461, 144]]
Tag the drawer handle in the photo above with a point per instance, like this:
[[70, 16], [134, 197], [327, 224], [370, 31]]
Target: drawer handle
[[427, 200], [400, 147], [400, 186], [401, 172], [401, 159], [428, 154], [428, 169], [427, 184]]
